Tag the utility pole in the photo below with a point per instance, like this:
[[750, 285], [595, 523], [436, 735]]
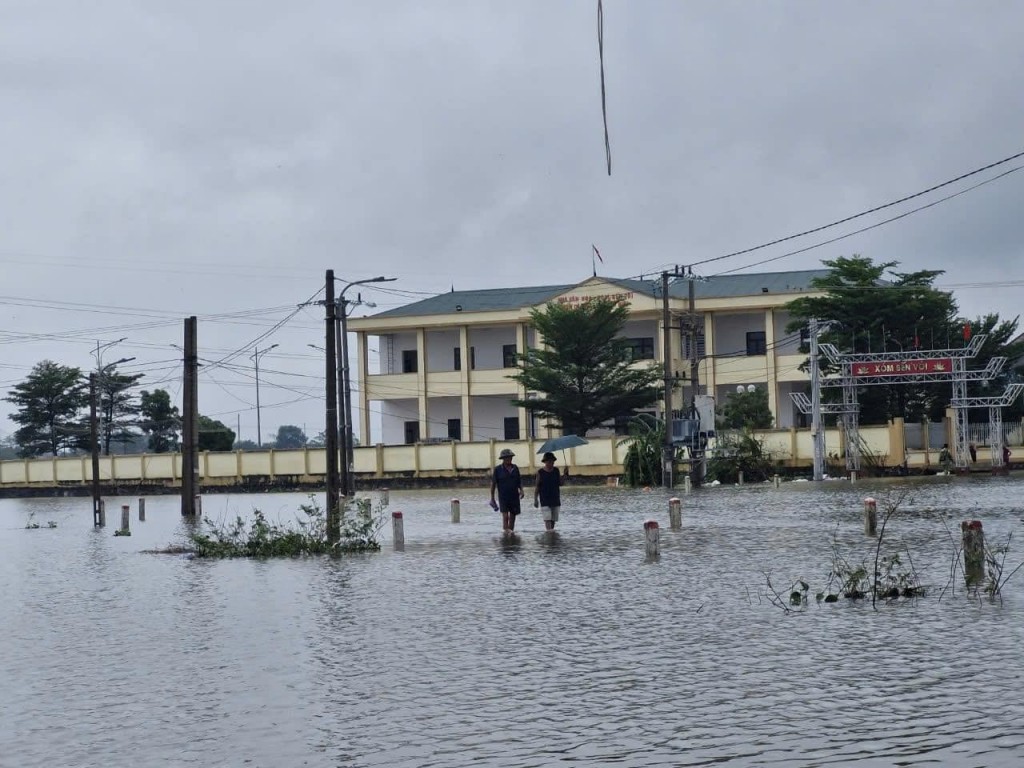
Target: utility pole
[[331, 429], [344, 414], [668, 480], [190, 420], [94, 433], [696, 453], [817, 430]]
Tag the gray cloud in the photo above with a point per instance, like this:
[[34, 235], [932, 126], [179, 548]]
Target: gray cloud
[[201, 158]]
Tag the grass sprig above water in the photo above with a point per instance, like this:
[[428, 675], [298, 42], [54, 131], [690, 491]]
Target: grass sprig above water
[[360, 524]]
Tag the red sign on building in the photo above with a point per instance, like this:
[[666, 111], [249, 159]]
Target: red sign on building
[[903, 367]]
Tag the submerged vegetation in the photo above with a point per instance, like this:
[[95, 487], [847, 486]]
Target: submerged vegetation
[[360, 524]]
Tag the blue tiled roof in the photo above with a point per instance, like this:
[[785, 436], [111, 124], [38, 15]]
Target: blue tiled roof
[[497, 299]]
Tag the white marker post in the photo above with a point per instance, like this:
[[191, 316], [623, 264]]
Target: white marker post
[[870, 516], [456, 515], [675, 514], [126, 517], [652, 538], [398, 531], [142, 510]]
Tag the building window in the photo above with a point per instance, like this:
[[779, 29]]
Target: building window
[[687, 343], [641, 348], [508, 355], [409, 361], [412, 432], [455, 429], [511, 427], [458, 358], [756, 343]]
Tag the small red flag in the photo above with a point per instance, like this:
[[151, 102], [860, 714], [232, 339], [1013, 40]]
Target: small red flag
[[967, 331]]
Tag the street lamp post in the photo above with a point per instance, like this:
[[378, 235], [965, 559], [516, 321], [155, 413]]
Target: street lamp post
[[347, 479], [255, 356]]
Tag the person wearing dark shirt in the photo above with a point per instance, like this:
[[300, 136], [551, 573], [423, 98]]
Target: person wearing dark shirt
[[509, 485], [547, 494]]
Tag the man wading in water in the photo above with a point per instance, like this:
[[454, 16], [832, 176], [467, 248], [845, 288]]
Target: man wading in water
[[509, 484]]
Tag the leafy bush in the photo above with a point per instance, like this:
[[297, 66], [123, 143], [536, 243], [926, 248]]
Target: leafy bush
[[737, 452], [260, 537]]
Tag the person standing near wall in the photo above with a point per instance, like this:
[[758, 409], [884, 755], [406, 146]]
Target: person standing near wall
[[547, 493], [509, 485]]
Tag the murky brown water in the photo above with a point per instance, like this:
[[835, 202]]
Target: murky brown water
[[466, 649]]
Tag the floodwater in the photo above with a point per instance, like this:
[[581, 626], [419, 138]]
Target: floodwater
[[466, 649]]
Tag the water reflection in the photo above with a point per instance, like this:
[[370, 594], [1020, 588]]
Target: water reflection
[[547, 648]]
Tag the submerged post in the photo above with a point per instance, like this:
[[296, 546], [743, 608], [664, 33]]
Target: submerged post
[[870, 516], [687, 483], [853, 475], [142, 510], [675, 514], [741, 477], [652, 539], [126, 517], [385, 496], [199, 505], [973, 540], [455, 511], [776, 480], [398, 531], [102, 513]]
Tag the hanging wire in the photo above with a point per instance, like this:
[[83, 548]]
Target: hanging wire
[[604, 105]]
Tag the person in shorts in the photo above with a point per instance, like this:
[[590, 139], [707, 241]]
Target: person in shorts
[[507, 481], [546, 493]]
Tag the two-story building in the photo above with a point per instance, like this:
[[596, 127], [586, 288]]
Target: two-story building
[[445, 362]]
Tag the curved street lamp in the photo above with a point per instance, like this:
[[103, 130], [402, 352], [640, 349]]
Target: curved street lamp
[[255, 357]]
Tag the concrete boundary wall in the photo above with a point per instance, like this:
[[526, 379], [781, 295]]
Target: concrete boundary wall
[[602, 456]]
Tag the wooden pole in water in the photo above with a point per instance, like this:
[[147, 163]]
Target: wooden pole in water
[[142, 510], [398, 530], [870, 516], [455, 511], [675, 514], [652, 538], [973, 539], [126, 517]]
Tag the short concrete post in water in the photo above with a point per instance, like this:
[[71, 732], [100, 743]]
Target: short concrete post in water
[[652, 538], [973, 540], [741, 478], [126, 517], [199, 505], [103, 513], [142, 510], [455, 511], [687, 483], [777, 481], [398, 530], [870, 516], [675, 514], [384, 496], [853, 475]]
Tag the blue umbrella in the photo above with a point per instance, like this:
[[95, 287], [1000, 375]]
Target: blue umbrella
[[561, 443]]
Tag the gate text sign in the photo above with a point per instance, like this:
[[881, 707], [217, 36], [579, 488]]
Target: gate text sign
[[903, 367]]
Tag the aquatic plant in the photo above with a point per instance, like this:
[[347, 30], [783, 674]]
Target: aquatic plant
[[360, 524]]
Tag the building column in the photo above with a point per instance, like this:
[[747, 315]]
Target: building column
[[466, 394], [709, 379], [771, 369], [364, 389], [523, 414], [421, 383]]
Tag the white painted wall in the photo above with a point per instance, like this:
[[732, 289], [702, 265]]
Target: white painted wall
[[441, 346], [488, 343], [394, 414], [731, 331], [439, 410], [791, 347], [489, 413]]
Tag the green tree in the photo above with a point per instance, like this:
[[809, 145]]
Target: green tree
[[1001, 340], [247, 445], [214, 435], [290, 436], [643, 463], [872, 308], [160, 421], [8, 448], [746, 410], [584, 376], [118, 406], [49, 402]]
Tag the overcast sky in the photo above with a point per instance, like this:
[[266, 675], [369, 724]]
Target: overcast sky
[[164, 159]]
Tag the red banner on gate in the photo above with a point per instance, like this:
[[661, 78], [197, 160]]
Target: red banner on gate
[[903, 367]]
